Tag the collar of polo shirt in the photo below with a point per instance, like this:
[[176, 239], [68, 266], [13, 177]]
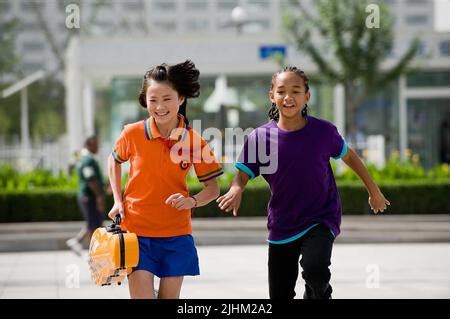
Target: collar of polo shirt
[[177, 134]]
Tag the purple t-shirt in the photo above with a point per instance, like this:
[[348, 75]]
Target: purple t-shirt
[[297, 167]]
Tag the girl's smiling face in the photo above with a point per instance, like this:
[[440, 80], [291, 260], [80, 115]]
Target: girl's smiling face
[[163, 102], [289, 94]]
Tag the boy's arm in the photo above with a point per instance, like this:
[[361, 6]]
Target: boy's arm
[[376, 199], [232, 199]]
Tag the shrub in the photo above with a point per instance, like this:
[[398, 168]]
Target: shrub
[[406, 198]]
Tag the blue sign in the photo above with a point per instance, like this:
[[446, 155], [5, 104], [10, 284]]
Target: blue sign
[[267, 51]]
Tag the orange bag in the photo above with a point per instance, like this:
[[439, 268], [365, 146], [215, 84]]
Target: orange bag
[[112, 254]]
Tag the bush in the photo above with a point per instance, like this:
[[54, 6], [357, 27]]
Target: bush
[[12, 180], [406, 198], [40, 196]]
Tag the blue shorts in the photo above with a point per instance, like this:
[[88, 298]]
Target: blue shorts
[[168, 256]]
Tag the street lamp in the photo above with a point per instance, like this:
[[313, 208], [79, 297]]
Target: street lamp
[[22, 86], [239, 18]]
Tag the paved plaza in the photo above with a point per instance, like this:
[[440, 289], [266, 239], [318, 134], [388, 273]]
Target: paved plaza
[[382, 270]]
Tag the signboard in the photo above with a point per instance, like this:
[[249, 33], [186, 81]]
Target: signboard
[[267, 51]]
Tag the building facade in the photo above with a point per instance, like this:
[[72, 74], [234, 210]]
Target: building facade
[[119, 40]]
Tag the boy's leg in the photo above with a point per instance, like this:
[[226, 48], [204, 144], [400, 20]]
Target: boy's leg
[[316, 258], [283, 269]]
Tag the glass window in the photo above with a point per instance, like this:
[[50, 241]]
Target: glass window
[[415, 2], [422, 49], [30, 25], [197, 24], [30, 67], [259, 4], [428, 121], [4, 6], [133, 5], [227, 5], [32, 46], [429, 78], [196, 5], [164, 5], [30, 6], [260, 25], [416, 19], [166, 26], [444, 48], [62, 4]]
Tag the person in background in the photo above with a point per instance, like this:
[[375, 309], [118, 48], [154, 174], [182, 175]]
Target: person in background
[[90, 197]]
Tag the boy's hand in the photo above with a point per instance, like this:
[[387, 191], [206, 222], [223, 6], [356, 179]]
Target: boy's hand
[[180, 202], [377, 202], [117, 209], [231, 200]]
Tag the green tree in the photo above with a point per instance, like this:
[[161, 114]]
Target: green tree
[[8, 63], [5, 123], [47, 112], [345, 48], [8, 55]]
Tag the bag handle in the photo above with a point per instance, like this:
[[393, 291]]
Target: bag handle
[[117, 220], [115, 226]]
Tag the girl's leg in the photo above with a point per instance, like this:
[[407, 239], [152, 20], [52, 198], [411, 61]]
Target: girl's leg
[[170, 287], [316, 258], [141, 285], [283, 270]]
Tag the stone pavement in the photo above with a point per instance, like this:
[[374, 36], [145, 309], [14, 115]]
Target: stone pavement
[[382, 228], [382, 270]]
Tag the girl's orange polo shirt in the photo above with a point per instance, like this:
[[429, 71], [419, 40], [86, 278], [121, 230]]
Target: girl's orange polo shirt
[[158, 169]]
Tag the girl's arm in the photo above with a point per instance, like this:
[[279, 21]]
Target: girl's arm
[[232, 199], [115, 179], [376, 199], [202, 198]]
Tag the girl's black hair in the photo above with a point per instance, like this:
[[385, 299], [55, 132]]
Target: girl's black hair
[[273, 111], [183, 77]]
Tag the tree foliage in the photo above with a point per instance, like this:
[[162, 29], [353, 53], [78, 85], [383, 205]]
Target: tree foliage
[[8, 54], [339, 39]]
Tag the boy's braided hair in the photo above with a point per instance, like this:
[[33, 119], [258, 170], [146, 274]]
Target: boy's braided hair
[[273, 111]]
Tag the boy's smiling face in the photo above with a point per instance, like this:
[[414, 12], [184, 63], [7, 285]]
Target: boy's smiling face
[[289, 94]]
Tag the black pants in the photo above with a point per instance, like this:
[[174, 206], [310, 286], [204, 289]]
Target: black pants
[[315, 247], [93, 217]]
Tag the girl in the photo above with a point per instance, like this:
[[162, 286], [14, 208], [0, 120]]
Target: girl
[[304, 211], [156, 204]]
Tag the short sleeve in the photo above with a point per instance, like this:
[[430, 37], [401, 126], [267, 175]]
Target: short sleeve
[[248, 160], [88, 172], [121, 148], [205, 163], [338, 146]]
